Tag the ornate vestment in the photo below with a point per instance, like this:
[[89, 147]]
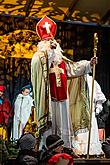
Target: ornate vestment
[[58, 112], [58, 82], [80, 140]]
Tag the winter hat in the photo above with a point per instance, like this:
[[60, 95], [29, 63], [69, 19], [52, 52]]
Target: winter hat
[[53, 141], [27, 141], [26, 87]]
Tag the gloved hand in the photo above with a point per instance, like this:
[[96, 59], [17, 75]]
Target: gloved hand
[[99, 108]]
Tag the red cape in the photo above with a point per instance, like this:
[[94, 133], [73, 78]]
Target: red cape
[[5, 111]]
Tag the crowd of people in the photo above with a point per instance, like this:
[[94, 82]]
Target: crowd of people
[[61, 99], [53, 147]]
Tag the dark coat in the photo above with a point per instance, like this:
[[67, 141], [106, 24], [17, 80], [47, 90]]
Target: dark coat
[[106, 147], [44, 155], [102, 117], [26, 157], [3, 152]]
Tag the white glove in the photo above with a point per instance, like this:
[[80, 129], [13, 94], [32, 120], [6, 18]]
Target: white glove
[[99, 108]]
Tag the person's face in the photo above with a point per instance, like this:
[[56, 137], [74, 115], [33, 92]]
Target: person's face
[[1, 93], [26, 92], [59, 149]]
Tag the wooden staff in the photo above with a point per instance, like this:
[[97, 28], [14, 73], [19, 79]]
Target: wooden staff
[[92, 93]]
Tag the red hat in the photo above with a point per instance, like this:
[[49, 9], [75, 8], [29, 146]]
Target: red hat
[[61, 158], [2, 88], [46, 28]]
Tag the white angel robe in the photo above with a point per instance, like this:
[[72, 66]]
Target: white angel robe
[[22, 111]]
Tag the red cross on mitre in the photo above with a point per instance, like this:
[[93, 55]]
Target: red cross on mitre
[[46, 28]]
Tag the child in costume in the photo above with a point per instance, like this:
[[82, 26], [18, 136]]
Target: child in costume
[[22, 110]]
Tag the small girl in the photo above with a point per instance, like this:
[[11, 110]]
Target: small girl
[[22, 110]]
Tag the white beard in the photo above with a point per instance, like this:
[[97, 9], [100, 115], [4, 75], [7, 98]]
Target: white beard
[[54, 55], [43, 46]]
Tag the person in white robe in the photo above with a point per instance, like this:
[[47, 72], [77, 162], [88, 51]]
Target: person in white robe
[[80, 141], [22, 110], [46, 62]]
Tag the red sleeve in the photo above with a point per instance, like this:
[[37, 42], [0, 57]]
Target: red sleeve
[[6, 110]]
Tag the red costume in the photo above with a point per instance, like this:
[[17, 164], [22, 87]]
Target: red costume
[[5, 108]]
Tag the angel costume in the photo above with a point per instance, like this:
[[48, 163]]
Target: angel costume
[[80, 140], [22, 111]]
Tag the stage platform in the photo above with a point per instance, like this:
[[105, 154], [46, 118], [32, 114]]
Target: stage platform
[[78, 161], [92, 161]]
